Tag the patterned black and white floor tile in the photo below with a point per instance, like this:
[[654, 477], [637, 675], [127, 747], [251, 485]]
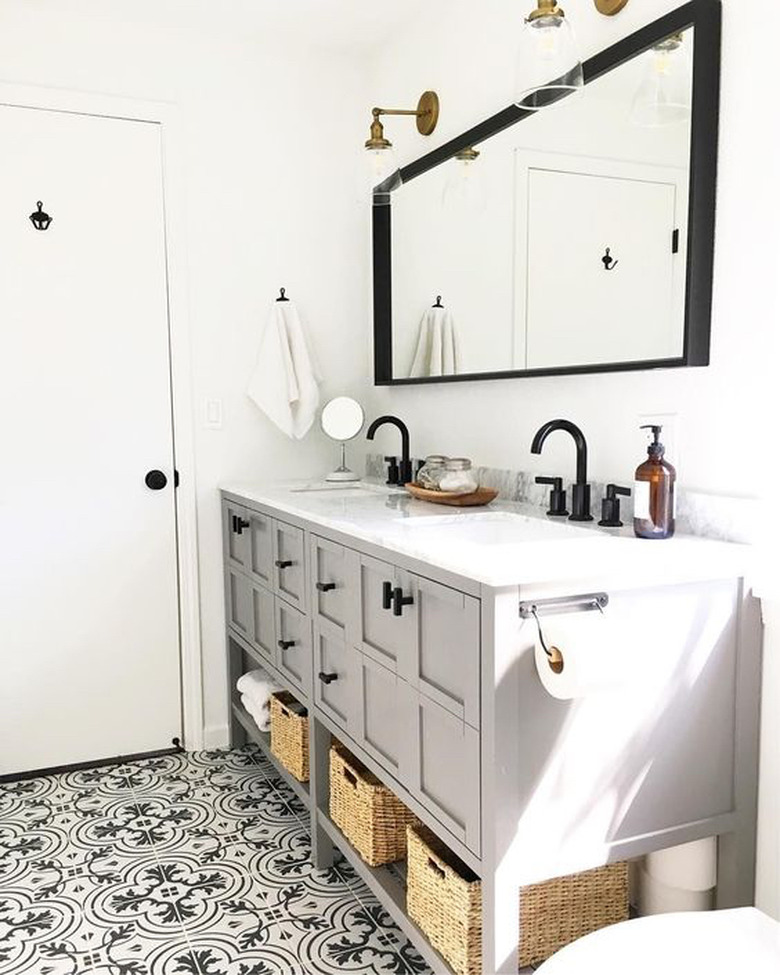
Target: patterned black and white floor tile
[[183, 865]]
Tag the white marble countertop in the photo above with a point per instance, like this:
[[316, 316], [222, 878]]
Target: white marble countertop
[[504, 544]]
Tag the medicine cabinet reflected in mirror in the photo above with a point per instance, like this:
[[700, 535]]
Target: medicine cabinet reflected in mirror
[[577, 238]]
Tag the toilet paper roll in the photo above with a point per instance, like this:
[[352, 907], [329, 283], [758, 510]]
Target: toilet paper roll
[[588, 655], [656, 897], [692, 866]]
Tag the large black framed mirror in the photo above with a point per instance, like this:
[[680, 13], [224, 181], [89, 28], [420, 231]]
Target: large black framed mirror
[[574, 239]]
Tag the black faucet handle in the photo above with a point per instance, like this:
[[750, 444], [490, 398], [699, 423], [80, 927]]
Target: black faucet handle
[[610, 506], [405, 472], [393, 474], [557, 496]]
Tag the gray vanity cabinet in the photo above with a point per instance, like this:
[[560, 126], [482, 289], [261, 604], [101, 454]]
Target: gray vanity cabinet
[[445, 769], [289, 575], [239, 602], [261, 547], [263, 632], [335, 685], [236, 539], [383, 722], [331, 592], [447, 650], [380, 633], [293, 646]]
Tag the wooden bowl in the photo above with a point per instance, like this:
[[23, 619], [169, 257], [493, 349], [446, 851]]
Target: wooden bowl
[[476, 499]]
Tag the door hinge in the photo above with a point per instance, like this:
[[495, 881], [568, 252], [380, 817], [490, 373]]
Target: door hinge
[[175, 479], [675, 241]]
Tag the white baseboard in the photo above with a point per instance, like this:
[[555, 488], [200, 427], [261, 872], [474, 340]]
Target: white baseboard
[[216, 736]]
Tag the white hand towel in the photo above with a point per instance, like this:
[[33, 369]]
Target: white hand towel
[[257, 686], [437, 352], [285, 382], [261, 717]]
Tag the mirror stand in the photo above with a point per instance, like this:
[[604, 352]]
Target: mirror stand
[[342, 472]]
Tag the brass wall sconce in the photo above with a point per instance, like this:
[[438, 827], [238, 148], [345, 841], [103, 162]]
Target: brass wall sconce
[[426, 113], [610, 7]]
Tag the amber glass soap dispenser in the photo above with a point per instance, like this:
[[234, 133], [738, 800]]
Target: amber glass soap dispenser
[[654, 492]]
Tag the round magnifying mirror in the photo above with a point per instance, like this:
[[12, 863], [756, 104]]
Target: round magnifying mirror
[[342, 419]]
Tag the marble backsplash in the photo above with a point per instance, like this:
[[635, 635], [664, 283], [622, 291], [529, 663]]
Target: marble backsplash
[[721, 517]]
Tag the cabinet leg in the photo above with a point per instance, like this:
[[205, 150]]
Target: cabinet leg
[[319, 792], [500, 925], [736, 869]]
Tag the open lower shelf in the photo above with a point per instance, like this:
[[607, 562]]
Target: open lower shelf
[[388, 884], [263, 740]]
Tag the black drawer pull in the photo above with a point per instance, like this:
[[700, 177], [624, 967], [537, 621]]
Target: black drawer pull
[[399, 601], [325, 586], [387, 595], [283, 563], [285, 644], [328, 678]]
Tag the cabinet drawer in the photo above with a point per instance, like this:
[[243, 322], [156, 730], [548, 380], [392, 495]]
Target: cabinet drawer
[[385, 711], [235, 536], [448, 649], [383, 635], [335, 688], [293, 646], [289, 570], [260, 555], [238, 602], [263, 632], [329, 582], [445, 773]]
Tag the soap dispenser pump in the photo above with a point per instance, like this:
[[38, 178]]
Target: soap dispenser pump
[[654, 491]]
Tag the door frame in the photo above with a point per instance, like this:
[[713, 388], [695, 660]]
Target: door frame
[[167, 116]]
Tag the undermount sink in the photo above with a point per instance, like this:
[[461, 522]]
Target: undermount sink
[[347, 488], [494, 528]]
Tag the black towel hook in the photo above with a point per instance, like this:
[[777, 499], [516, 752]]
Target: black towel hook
[[438, 302], [39, 218], [282, 295], [609, 261]]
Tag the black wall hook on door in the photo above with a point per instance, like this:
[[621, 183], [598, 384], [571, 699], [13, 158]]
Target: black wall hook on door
[[40, 219], [609, 262], [438, 302], [282, 296]]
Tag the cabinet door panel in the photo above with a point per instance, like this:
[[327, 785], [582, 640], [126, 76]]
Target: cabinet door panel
[[384, 636], [239, 603], [329, 592], [446, 770], [236, 538], [289, 568], [263, 633], [293, 646], [334, 676], [385, 713], [261, 547], [448, 649]]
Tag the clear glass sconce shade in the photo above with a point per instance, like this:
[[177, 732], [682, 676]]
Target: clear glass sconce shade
[[664, 94], [382, 163], [465, 189], [548, 63]]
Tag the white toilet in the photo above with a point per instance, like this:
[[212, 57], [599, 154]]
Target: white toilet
[[710, 943]]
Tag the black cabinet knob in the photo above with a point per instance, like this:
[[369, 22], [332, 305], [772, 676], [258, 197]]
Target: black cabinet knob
[[155, 480], [285, 644], [387, 595], [399, 601], [325, 586], [327, 678], [283, 564]]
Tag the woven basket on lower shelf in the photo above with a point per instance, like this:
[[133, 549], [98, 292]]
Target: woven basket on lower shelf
[[444, 898], [372, 818], [290, 735]]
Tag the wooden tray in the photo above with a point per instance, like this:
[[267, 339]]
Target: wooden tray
[[479, 497]]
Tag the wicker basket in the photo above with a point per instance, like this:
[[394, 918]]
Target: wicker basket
[[445, 899], [557, 912], [366, 811], [290, 736]]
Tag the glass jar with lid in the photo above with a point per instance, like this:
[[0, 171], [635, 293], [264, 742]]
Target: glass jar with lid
[[431, 472], [458, 478]]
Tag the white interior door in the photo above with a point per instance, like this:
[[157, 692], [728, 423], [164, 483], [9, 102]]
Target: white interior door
[[603, 271], [89, 641]]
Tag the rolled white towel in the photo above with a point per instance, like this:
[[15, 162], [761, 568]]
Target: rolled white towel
[[260, 716], [258, 686]]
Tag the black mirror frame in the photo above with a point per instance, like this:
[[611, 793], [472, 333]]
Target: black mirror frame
[[705, 16]]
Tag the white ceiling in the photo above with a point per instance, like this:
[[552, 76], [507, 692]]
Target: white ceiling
[[341, 25]]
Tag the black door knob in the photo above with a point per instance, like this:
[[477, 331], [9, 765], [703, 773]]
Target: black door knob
[[155, 480]]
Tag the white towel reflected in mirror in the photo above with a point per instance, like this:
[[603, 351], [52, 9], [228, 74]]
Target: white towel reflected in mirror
[[437, 346]]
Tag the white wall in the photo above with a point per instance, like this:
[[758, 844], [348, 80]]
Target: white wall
[[271, 201], [465, 51]]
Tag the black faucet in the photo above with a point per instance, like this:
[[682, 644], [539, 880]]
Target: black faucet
[[404, 472], [581, 491]]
